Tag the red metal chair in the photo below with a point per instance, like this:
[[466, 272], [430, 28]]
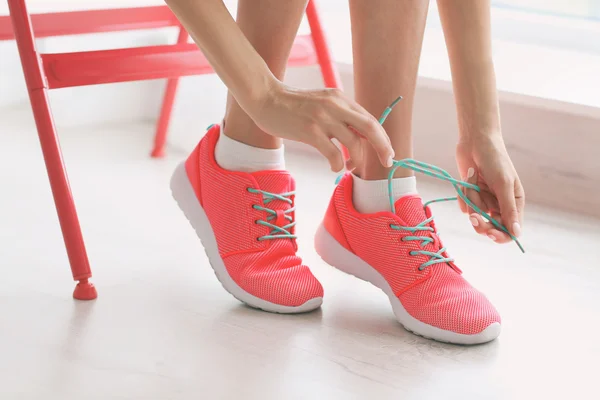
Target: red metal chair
[[51, 71]]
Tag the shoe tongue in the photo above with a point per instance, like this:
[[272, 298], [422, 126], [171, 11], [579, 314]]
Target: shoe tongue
[[275, 181], [410, 209]]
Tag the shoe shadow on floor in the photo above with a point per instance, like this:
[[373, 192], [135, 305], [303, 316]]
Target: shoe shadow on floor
[[381, 325], [244, 312]]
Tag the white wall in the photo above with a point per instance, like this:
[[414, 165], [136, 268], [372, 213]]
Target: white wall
[[553, 144]]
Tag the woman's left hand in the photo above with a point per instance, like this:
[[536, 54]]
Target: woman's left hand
[[484, 161]]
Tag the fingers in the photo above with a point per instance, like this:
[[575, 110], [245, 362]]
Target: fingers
[[520, 199], [498, 236], [472, 194], [463, 205], [370, 118], [369, 128], [486, 228], [350, 164], [351, 141], [331, 152], [480, 225], [461, 202], [341, 118], [505, 193]]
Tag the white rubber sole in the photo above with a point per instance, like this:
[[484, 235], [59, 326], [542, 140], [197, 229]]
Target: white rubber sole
[[336, 255], [184, 195]]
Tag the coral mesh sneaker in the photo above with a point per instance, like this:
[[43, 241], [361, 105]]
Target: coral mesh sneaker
[[402, 255], [246, 224]]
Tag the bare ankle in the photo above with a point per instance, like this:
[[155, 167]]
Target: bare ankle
[[242, 129], [373, 170]]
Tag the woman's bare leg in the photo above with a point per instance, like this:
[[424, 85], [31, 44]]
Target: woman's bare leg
[[271, 26], [386, 40]]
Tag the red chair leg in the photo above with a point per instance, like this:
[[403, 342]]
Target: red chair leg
[[330, 74], [59, 183], [160, 138]]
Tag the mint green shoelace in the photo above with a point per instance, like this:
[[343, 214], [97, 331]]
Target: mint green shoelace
[[277, 232], [439, 173], [434, 257]]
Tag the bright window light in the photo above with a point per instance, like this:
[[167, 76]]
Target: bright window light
[[589, 9]]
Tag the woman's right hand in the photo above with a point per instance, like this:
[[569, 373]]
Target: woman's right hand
[[315, 117]]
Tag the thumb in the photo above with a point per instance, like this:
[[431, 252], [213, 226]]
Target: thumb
[[332, 153]]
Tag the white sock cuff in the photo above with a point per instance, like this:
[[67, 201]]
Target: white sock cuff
[[237, 156], [378, 188], [372, 196]]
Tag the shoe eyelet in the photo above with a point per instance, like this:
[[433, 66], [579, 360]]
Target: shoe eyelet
[[402, 239], [412, 253]]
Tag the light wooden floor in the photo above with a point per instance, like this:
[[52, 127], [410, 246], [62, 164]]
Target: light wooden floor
[[163, 328]]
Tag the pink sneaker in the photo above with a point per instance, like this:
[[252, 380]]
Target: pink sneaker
[[402, 255], [246, 224]]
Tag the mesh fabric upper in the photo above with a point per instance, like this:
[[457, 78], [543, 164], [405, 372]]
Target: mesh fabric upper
[[438, 295], [268, 269]]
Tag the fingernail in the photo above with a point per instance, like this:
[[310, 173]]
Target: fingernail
[[492, 237], [474, 221], [516, 229], [389, 162], [470, 173]]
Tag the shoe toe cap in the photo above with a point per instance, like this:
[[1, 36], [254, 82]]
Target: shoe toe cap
[[291, 287], [457, 308]]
